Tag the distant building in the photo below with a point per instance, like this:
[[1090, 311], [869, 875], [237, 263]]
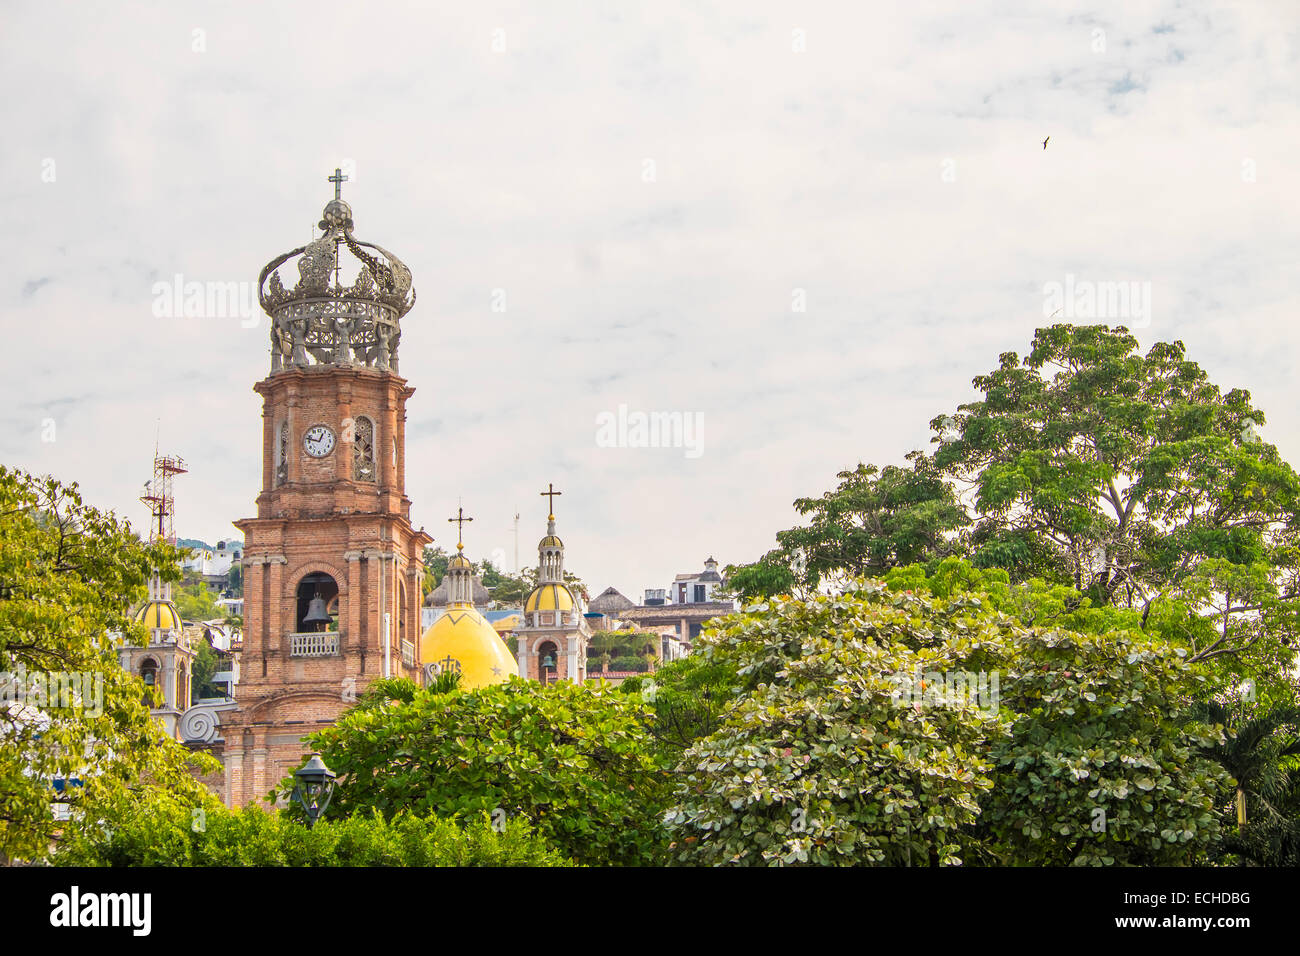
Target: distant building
[[213, 564], [677, 614], [697, 588]]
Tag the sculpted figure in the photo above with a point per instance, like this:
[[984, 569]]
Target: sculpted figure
[[299, 343], [381, 333]]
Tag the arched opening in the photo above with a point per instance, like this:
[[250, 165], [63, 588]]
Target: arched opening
[[149, 674], [548, 662], [317, 603]]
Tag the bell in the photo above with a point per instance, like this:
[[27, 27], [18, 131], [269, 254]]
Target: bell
[[316, 613], [548, 661]]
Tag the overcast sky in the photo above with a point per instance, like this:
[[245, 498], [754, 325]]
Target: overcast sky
[[656, 190]]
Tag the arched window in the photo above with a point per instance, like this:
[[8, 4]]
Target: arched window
[[313, 588], [548, 662], [149, 674], [282, 455], [363, 450]]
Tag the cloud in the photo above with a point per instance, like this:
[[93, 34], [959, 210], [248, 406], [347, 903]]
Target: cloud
[[890, 176]]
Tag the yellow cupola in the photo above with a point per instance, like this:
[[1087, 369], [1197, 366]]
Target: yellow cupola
[[551, 593], [159, 614], [461, 639]]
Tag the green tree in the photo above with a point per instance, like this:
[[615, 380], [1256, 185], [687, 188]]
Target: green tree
[[207, 661], [815, 762], [688, 697], [1133, 479], [874, 520], [1069, 729], [195, 602], [1261, 750], [435, 567], [68, 575], [571, 760], [508, 590]]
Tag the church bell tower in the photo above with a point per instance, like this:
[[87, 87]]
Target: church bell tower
[[332, 567]]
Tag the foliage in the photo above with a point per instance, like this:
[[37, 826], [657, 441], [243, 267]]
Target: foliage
[[68, 574], [177, 836], [831, 755], [572, 760], [688, 697], [206, 663], [770, 575], [874, 520], [1131, 478], [1101, 765], [818, 763], [195, 602], [624, 650], [435, 567], [508, 590], [1261, 750], [1128, 478]]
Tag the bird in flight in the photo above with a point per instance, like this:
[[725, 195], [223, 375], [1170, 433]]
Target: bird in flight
[[1045, 142]]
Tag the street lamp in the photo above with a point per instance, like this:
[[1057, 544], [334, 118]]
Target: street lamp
[[314, 788]]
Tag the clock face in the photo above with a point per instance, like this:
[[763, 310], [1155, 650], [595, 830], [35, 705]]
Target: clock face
[[318, 441]]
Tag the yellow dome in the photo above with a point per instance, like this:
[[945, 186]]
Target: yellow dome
[[549, 597], [550, 541], [465, 636], [161, 614], [460, 561]]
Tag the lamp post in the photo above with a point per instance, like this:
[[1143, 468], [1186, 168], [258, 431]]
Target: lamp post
[[314, 788]]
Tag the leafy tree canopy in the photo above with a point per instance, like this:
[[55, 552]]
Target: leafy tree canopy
[[882, 726], [571, 760], [68, 575]]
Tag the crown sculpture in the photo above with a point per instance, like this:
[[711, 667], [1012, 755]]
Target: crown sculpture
[[322, 320]]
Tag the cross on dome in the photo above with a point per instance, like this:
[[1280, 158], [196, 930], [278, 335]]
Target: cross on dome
[[550, 494], [460, 520]]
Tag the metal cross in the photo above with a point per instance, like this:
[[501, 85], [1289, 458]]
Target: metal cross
[[550, 494], [460, 520], [338, 179]]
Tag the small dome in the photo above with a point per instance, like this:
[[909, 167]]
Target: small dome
[[463, 640], [159, 614], [549, 597], [550, 541], [460, 561]]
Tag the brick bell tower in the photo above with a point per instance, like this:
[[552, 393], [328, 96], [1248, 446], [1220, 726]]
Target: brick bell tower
[[332, 567]]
